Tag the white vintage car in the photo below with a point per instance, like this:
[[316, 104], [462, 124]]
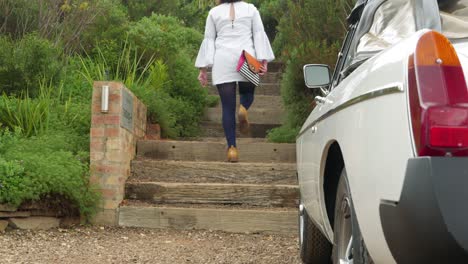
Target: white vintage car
[[383, 157]]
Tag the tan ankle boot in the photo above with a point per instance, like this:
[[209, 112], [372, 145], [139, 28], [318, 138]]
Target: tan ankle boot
[[242, 116], [232, 155]]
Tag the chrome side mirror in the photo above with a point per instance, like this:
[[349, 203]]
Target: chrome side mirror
[[317, 76]]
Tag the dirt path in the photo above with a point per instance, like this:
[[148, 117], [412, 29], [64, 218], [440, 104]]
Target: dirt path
[[135, 245]]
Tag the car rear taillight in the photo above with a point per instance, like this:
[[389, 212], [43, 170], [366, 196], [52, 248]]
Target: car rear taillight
[[438, 98]]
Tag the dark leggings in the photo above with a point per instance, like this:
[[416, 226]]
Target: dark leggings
[[227, 92]]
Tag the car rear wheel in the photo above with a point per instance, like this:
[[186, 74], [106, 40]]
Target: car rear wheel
[[314, 246], [348, 246]]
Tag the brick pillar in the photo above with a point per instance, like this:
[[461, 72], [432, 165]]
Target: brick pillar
[[113, 145]]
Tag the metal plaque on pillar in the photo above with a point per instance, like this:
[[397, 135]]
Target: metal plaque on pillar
[[126, 118]]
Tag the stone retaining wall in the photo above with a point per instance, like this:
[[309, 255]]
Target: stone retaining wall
[[113, 145]]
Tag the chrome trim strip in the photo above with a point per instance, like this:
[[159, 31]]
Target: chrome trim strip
[[364, 97]]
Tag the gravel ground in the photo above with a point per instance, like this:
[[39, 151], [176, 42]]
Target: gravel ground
[[136, 245]]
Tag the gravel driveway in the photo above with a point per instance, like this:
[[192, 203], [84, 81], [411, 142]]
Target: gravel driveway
[[136, 245]]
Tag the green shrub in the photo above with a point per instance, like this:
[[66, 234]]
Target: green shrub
[[138, 9], [26, 63], [192, 13], [107, 29], [176, 45], [13, 184], [31, 116], [164, 37], [283, 134], [48, 153], [130, 67], [20, 17], [75, 85], [310, 32], [72, 121], [70, 23], [31, 168]]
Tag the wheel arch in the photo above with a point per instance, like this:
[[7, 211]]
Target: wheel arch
[[333, 165]]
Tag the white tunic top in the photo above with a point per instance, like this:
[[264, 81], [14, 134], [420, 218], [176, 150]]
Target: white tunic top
[[223, 43]]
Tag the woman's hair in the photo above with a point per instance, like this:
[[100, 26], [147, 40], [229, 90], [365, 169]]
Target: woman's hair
[[228, 1]]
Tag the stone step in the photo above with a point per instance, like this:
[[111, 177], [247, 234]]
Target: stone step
[[263, 89], [147, 170], [275, 67], [234, 220], [16, 214], [270, 77], [213, 193], [262, 101], [34, 223], [215, 150], [215, 129], [8, 208], [256, 115]]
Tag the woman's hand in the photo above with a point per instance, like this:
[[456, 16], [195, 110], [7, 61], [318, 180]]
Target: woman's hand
[[203, 77], [264, 68]]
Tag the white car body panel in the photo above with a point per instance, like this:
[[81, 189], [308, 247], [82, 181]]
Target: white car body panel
[[375, 139]]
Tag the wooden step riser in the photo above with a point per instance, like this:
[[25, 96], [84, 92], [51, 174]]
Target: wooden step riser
[[214, 151], [256, 115], [213, 172], [234, 221], [276, 67], [263, 89], [215, 129], [220, 194], [271, 77], [262, 101]]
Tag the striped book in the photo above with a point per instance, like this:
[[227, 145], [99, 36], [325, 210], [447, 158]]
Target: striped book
[[248, 74]]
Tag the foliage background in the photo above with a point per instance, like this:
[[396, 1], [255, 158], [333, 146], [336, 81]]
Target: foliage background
[[51, 51], [307, 32]]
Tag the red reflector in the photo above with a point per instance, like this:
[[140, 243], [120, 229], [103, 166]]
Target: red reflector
[[449, 137], [438, 98]]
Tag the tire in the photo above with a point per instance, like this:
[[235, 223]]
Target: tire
[[314, 246], [346, 227]]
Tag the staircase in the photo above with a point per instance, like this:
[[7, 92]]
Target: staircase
[[186, 184]]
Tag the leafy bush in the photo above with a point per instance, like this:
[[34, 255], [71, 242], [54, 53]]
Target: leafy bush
[[49, 151], [129, 67], [31, 116], [310, 32], [164, 37], [271, 11], [75, 85], [167, 39], [192, 13], [31, 168], [107, 29], [138, 9], [72, 23], [283, 134], [26, 63]]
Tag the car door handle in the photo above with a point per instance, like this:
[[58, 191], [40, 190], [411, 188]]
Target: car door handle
[[321, 100]]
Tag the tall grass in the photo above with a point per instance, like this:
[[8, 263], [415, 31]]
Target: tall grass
[[132, 68], [30, 115]]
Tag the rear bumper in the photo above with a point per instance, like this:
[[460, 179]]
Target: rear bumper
[[430, 222]]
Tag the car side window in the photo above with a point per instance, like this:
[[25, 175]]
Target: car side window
[[338, 74]]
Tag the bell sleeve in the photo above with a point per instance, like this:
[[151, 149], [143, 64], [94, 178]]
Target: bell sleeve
[[206, 53], [260, 38]]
